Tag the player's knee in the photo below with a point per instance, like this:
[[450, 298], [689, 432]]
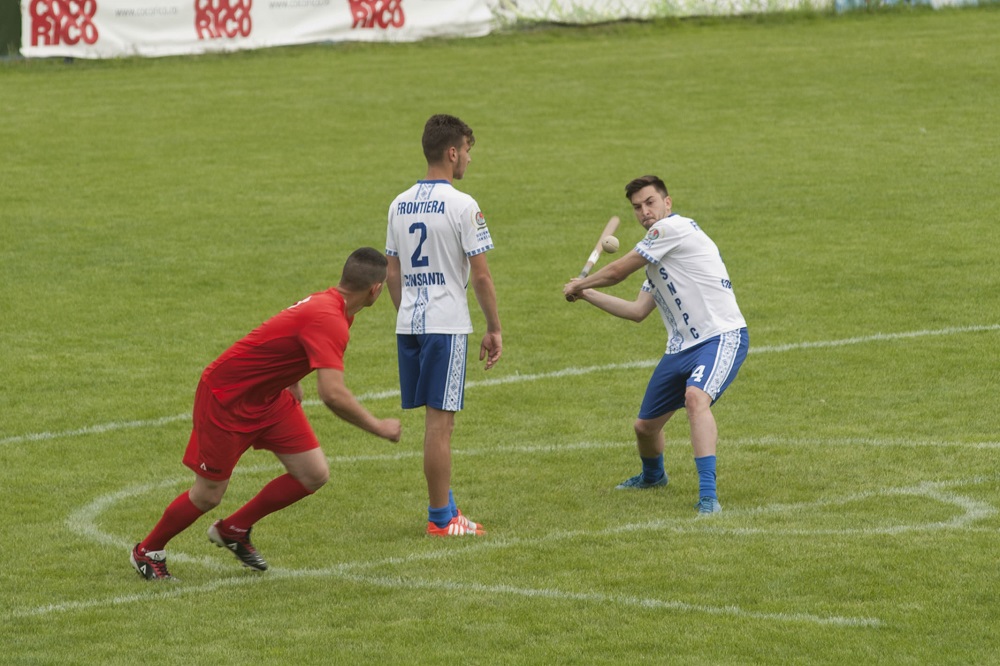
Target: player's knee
[[315, 478], [644, 428], [320, 480], [696, 400], [206, 499]]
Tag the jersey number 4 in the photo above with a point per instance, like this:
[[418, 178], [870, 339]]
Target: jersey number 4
[[417, 259]]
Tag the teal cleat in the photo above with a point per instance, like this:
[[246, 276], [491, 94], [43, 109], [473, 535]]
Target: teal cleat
[[708, 505], [637, 483]]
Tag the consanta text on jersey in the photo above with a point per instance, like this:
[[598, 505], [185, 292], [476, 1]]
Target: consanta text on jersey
[[423, 279]]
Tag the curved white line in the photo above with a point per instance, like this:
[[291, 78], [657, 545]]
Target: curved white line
[[83, 522]]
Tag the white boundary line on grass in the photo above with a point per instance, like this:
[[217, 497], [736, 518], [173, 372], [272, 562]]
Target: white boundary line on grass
[[441, 585], [512, 379], [83, 522]]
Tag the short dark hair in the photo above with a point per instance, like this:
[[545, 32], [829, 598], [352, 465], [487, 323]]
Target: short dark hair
[[365, 267], [441, 132], [645, 181]]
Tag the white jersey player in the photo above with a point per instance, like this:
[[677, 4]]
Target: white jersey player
[[433, 230], [707, 338], [436, 245], [689, 283]]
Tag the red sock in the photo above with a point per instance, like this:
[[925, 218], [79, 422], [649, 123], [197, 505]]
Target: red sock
[[178, 516], [276, 495]]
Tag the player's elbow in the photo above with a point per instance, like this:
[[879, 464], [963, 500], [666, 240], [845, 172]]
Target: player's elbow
[[331, 396], [482, 286], [640, 311], [333, 402], [481, 279]]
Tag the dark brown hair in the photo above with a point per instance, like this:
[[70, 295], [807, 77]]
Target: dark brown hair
[[365, 267], [441, 132], [645, 181]]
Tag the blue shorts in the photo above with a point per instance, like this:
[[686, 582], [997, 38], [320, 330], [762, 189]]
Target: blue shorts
[[710, 366], [432, 370]]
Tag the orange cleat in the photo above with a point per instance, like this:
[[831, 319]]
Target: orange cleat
[[459, 526]]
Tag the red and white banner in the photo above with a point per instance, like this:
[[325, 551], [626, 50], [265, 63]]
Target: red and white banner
[[117, 28]]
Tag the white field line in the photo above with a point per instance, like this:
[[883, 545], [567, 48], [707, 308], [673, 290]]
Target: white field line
[[769, 440], [94, 429], [512, 379], [83, 522], [177, 590], [608, 600]]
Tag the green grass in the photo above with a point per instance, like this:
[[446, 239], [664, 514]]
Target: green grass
[[153, 211]]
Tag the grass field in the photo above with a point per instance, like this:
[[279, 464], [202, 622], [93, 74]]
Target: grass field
[[153, 211]]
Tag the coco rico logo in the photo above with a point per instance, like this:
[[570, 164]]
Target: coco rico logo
[[381, 13], [55, 22], [222, 19]]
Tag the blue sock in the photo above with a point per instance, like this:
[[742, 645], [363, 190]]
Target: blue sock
[[652, 469], [440, 517], [706, 476], [451, 503]]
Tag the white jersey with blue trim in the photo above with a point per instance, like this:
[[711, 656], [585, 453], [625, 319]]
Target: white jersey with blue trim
[[434, 229], [689, 282]]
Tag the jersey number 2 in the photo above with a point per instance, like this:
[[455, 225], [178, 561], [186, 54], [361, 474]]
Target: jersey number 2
[[416, 259]]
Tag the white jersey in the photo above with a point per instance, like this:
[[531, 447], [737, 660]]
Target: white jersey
[[434, 229], [689, 282]]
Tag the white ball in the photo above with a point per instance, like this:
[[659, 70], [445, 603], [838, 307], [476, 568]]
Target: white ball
[[610, 244]]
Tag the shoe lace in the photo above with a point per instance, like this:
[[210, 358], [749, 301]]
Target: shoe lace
[[244, 541], [159, 567], [246, 549]]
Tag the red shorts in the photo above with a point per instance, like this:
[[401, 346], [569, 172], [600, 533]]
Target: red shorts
[[213, 451]]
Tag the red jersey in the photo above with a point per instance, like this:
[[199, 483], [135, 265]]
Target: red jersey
[[248, 379]]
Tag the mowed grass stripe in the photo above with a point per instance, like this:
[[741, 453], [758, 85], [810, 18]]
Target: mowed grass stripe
[[515, 379]]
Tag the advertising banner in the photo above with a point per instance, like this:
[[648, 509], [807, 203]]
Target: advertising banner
[[120, 28]]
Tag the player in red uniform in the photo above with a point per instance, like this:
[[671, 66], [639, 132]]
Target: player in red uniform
[[250, 396]]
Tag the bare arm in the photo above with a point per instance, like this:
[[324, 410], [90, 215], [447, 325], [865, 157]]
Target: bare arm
[[482, 285], [335, 395], [394, 280], [611, 274], [636, 310]]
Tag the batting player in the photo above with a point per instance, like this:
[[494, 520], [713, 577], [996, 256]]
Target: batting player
[[707, 335]]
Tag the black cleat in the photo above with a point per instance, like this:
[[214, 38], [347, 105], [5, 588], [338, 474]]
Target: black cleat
[[239, 545]]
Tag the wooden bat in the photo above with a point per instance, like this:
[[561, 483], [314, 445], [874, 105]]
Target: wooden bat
[[609, 230]]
